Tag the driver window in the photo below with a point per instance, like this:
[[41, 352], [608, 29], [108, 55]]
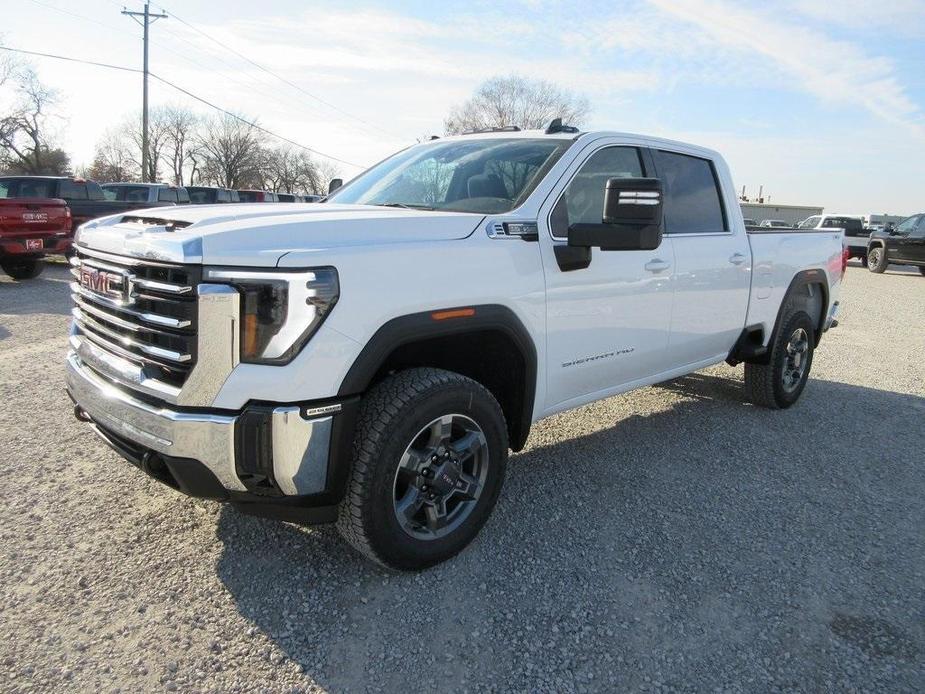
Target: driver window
[[907, 225], [583, 199]]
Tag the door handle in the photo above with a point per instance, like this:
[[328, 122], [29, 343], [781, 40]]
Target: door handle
[[657, 265], [737, 258]]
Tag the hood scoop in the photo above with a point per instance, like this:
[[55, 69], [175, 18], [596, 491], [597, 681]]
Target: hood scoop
[[150, 222]]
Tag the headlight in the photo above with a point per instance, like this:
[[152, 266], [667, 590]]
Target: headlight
[[279, 310]]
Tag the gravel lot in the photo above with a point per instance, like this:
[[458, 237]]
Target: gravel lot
[[673, 539]]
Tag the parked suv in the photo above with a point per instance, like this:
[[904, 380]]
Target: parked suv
[[146, 192], [902, 245], [370, 360]]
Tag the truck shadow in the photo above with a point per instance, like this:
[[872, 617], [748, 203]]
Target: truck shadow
[[677, 530]]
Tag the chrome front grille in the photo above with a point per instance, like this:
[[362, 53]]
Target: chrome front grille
[[144, 312]]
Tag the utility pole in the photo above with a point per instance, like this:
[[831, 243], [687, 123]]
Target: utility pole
[[147, 20]]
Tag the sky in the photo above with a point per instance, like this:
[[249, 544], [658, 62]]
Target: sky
[[820, 102]]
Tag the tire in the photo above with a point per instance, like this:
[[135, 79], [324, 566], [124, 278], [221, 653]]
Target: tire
[[774, 385], [389, 513], [23, 269], [876, 259], [863, 260], [922, 270]]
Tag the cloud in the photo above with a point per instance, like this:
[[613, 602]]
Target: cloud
[[832, 70], [905, 17]]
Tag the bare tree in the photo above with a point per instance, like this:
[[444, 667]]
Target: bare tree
[[114, 159], [26, 144], [158, 136], [516, 101], [179, 148], [291, 171], [326, 170], [230, 152]]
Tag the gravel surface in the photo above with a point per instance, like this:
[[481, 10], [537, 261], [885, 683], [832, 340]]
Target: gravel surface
[[672, 539]]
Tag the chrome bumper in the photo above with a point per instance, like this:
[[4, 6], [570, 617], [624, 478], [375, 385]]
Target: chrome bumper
[[300, 441]]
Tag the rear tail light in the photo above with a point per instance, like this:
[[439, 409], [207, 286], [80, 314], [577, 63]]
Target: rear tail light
[[844, 260]]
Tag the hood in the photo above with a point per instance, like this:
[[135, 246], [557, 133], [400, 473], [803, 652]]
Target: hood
[[259, 234]]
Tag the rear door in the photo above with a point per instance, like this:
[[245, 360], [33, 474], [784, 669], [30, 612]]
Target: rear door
[[607, 324], [712, 259]]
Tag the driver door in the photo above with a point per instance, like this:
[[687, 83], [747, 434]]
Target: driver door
[[608, 323]]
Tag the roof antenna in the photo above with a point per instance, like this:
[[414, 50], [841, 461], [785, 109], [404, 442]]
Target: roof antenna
[[555, 126]]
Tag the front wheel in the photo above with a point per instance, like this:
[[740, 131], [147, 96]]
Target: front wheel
[[876, 259], [779, 383], [23, 269], [428, 464]]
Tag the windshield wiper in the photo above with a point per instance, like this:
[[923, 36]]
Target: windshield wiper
[[404, 206]]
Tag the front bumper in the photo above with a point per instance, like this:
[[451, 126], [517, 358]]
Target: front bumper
[[287, 457]]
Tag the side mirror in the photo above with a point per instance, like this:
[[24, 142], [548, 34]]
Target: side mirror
[[335, 184], [630, 221]]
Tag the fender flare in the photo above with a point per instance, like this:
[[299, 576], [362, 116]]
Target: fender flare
[[415, 327], [802, 279]]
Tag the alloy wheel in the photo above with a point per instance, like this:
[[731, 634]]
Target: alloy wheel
[[796, 355], [440, 477]]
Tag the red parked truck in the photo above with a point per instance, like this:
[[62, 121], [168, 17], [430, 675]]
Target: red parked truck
[[30, 228]]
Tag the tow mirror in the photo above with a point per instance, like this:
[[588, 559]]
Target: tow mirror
[[630, 221], [335, 184]]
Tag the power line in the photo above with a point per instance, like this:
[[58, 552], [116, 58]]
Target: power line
[[187, 93], [272, 73]]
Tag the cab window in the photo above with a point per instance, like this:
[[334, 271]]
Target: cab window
[[693, 204], [907, 225], [74, 191], [809, 223], [583, 199], [167, 195]]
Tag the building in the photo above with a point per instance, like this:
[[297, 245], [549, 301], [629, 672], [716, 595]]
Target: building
[[792, 214]]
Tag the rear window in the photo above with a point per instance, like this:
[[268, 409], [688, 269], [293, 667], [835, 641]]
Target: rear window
[[248, 196], [692, 197], [74, 191], [167, 195], [126, 193], [27, 188], [182, 195], [846, 223], [201, 195]]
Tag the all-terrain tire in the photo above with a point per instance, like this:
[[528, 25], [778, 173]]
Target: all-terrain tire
[[877, 261], [23, 269], [391, 415], [765, 383]]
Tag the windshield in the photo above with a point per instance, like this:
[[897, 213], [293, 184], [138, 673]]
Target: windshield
[[486, 176], [126, 193], [27, 188]]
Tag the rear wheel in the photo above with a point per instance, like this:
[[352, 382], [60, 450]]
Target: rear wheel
[[922, 269], [779, 383], [876, 259], [428, 464], [23, 269]]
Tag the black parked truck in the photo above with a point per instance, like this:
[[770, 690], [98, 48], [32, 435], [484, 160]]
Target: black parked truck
[[902, 245], [85, 199]]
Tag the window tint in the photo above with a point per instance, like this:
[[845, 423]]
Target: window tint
[[95, 192], [692, 200], [74, 191], [27, 188], [583, 200], [907, 225], [167, 195]]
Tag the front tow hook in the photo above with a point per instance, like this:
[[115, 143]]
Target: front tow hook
[[80, 414]]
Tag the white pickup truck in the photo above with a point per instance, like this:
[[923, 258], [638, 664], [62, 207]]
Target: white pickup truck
[[370, 359]]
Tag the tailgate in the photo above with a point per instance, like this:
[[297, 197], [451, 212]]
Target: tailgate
[[32, 217]]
